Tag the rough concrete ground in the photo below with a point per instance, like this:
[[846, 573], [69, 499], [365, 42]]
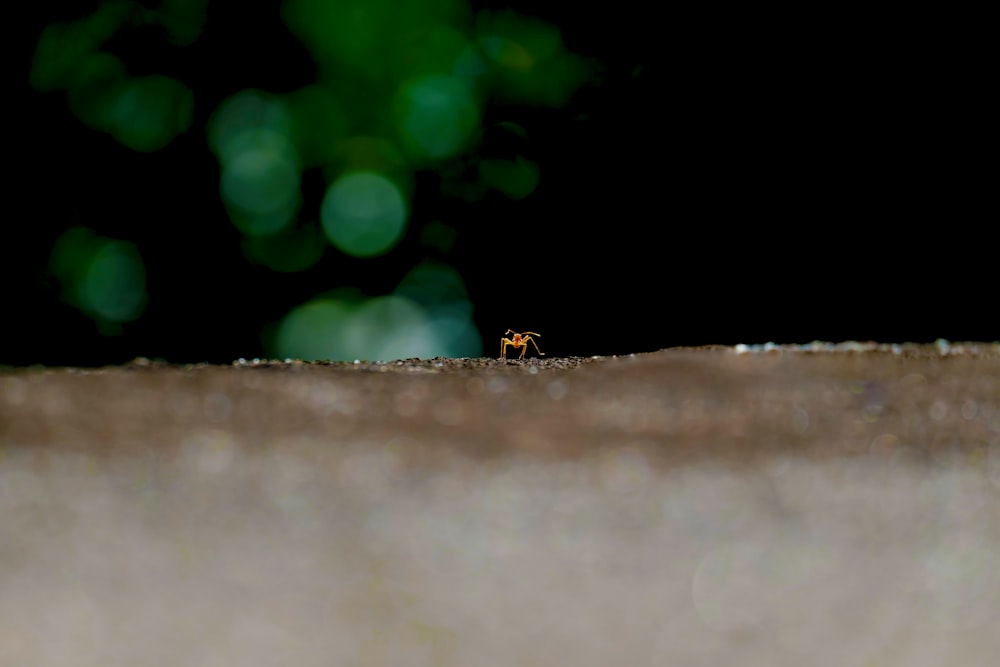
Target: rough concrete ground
[[835, 505]]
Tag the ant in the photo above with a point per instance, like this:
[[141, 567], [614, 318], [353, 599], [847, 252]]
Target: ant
[[520, 340]]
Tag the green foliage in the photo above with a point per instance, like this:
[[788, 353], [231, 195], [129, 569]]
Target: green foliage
[[437, 116], [529, 62], [401, 87], [290, 250], [64, 48], [364, 214], [144, 113], [104, 278], [516, 178], [427, 315]]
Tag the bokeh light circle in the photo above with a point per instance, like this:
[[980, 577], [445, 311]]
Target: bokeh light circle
[[312, 331], [438, 115], [113, 286], [363, 214], [260, 186], [374, 329]]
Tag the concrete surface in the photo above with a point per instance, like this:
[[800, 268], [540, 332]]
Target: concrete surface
[[836, 505]]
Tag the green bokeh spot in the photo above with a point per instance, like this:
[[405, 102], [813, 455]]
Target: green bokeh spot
[[380, 328], [114, 285], [529, 58], [516, 41], [430, 283], [144, 113], [515, 178], [102, 277], [149, 112], [72, 252], [250, 118], [184, 20], [439, 236], [93, 91], [288, 251], [438, 115], [318, 124], [440, 291], [63, 47], [260, 184], [363, 214], [374, 37], [312, 331]]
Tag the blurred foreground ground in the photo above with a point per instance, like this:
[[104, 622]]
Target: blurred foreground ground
[[712, 506]]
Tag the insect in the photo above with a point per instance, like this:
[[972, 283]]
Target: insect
[[520, 340]]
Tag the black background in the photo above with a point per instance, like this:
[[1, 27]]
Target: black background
[[721, 179]]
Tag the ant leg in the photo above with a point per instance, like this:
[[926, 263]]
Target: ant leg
[[540, 353]]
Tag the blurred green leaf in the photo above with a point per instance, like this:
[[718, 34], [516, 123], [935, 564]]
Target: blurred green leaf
[[516, 178], [63, 47]]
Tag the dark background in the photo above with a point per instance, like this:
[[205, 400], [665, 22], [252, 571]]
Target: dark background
[[719, 179]]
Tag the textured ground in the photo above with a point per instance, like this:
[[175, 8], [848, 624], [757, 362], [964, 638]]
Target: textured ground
[[832, 505]]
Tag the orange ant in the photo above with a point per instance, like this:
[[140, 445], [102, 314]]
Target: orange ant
[[520, 340]]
